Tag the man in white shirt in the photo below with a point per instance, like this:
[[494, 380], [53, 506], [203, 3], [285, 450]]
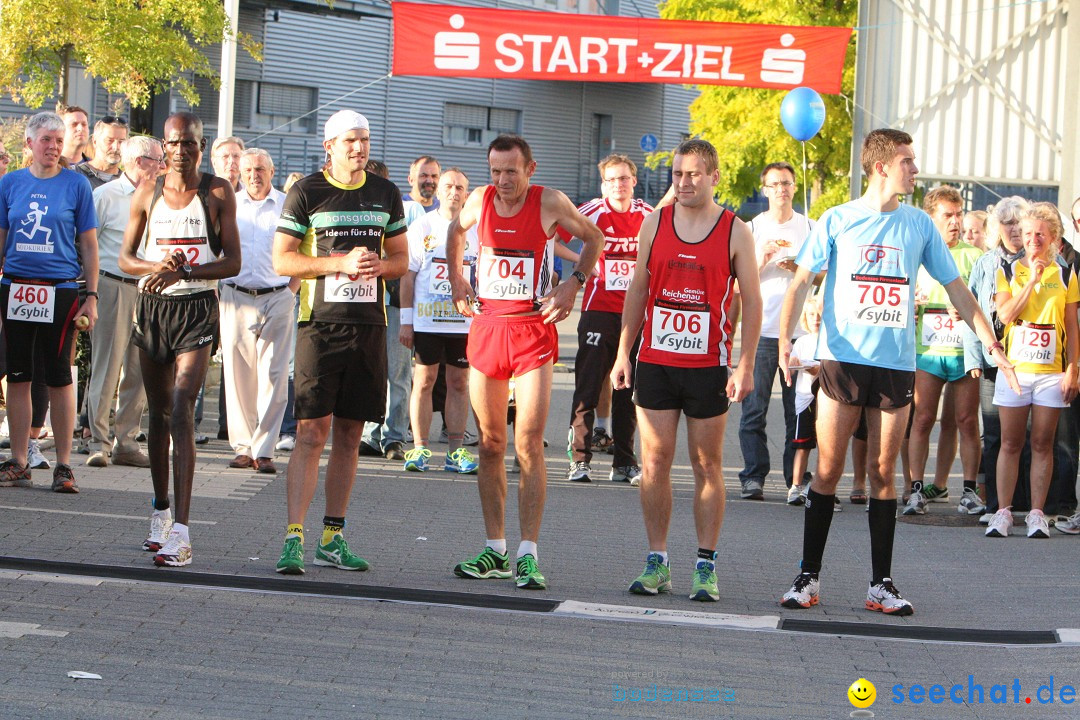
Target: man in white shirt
[[779, 232], [257, 322], [114, 359], [434, 330]]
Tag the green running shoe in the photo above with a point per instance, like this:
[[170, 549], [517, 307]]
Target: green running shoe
[[488, 564], [337, 554], [528, 574], [655, 579], [291, 561], [932, 493], [704, 587], [416, 459]]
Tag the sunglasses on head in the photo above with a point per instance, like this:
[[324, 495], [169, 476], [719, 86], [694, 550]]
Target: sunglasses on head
[[114, 120]]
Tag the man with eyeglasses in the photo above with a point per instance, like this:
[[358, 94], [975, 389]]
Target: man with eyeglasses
[[619, 215], [225, 159], [779, 233], [110, 132], [114, 359]]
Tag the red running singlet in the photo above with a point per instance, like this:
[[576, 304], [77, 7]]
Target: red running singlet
[[690, 291], [516, 259]]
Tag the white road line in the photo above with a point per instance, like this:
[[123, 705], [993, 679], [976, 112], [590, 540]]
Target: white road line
[[140, 518], [1068, 636], [18, 630], [630, 613]]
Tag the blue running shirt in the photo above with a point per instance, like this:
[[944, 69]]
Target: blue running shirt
[[43, 219], [873, 260]]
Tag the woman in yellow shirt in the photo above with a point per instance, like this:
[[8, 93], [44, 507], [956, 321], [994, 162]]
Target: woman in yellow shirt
[[1037, 300]]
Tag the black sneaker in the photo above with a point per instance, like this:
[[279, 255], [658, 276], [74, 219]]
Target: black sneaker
[[369, 450], [63, 481], [601, 441], [395, 451]]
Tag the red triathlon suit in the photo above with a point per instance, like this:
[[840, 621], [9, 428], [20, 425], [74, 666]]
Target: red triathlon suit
[[513, 269], [687, 324]]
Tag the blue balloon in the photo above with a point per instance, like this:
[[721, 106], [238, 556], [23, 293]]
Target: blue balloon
[[803, 113]]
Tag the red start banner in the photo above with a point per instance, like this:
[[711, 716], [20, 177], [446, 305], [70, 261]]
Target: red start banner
[[527, 45]]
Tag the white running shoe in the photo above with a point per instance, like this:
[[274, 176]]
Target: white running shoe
[[971, 504], [1037, 526], [34, 457], [286, 443], [795, 495], [803, 593], [1070, 526], [916, 503], [160, 528], [626, 474], [1000, 523], [884, 597], [175, 553], [579, 472]]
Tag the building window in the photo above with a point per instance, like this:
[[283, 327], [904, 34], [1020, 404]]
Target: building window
[[279, 104], [477, 125], [260, 105]]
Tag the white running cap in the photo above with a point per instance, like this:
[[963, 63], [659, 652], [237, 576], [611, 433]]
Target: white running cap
[[342, 122]]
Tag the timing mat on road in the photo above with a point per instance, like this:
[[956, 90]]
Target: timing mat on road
[[901, 629]]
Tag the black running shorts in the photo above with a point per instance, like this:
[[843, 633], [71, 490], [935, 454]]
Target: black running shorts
[[438, 348], [699, 392], [866, 385], [340, 370], [171, 325]]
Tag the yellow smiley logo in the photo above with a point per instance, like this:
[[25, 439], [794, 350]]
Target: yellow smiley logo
[[862, 693]]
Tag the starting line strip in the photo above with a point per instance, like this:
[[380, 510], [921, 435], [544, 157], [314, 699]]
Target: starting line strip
[[902, 631]]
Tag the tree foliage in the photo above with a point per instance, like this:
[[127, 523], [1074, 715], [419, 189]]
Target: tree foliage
[[744, 123], [136, 47]]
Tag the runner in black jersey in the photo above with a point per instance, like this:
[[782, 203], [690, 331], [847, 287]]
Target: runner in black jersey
[[335, 227]]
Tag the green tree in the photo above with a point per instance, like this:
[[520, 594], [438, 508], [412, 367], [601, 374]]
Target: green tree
[[744, 123], [136, 47]]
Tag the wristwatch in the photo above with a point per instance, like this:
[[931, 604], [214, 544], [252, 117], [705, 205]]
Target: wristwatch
[[579, 276], [185, 272]]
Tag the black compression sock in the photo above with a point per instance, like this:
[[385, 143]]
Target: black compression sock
[[882, 520], [818, 519]]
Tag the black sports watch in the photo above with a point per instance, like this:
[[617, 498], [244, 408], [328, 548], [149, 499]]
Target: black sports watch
[[579, 276], [185, 272]]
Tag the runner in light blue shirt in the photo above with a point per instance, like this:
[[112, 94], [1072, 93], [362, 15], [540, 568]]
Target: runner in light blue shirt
[[874, 258], [873, 248]]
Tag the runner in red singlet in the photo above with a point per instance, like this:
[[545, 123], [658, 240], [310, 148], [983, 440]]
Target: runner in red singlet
[[513, 335], [689, 257]]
